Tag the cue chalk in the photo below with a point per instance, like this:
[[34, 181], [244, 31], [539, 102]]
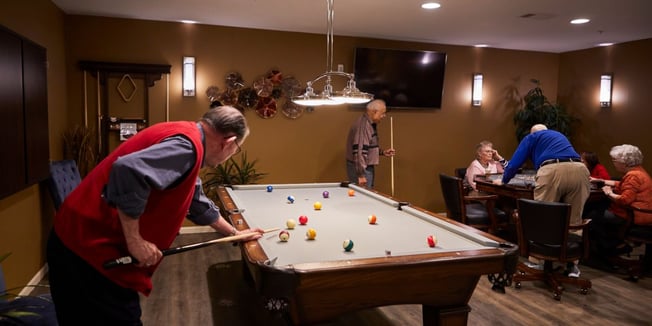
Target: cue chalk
[[127, 260]]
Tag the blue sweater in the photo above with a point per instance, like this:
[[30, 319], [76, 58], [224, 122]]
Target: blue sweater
[[538, 147]]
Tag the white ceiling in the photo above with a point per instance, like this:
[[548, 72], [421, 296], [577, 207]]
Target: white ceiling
[[497, 23]]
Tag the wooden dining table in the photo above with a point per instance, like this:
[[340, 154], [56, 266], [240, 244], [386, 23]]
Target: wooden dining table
[[521, 186]]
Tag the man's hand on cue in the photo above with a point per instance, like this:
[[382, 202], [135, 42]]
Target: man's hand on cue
[[256, 233]]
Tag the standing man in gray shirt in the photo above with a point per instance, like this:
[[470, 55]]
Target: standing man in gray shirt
[[362, 146]]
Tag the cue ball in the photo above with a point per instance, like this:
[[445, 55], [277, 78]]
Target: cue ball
[[291, 224], [311, 234], [372, 219], [432, 241], [317, 205], [269, 188], [284, 235], [303, 220], [325, 194], [347, 245], [351, 193], [291, 199]]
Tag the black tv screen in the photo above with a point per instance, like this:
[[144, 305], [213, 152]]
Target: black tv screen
[[403, 78]]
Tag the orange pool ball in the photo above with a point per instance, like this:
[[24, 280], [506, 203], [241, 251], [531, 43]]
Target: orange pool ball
[[372, 219], [351, 193], [311, 234]]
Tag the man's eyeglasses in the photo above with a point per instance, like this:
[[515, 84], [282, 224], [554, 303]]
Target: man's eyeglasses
[[239, 149]]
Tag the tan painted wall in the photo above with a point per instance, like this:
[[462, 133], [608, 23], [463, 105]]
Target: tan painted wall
[[311, 148], [628, 120]]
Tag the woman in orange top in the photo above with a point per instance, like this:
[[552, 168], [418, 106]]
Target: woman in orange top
[[635, 189]]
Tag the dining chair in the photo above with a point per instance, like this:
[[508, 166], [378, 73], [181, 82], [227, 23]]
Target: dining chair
[[477, 210], [543, 231], [635, 235], [64, 177]]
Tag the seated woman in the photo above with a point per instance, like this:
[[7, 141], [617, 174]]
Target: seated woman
[[487, 160], [590, 159], [598, 172], [634, 189]]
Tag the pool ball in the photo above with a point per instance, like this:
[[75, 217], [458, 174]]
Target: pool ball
[[291, 199], [372, 219], [303, 220], [269, 188], [284, 235], [432, 241], [317, 205], [311, 234], [347, 245], [325, 194], [290, 223], [351, 193]]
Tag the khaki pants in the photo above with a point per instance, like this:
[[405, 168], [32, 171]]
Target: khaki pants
[[566, 182]]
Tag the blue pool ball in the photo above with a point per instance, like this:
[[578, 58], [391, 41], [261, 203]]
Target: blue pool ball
[[291, 199], [325, 194], [269, 188]]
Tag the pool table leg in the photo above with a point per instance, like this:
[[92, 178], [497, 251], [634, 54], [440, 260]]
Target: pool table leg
[[445, 317]]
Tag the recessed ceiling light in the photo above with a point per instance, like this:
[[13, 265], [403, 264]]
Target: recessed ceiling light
[[578, 21], [481, 45], [605, 44], [430, 5], [186, 21]]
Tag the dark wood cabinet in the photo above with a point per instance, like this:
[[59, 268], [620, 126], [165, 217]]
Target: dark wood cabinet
[[24, 135]]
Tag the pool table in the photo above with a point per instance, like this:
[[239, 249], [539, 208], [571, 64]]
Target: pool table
[[391, 261]]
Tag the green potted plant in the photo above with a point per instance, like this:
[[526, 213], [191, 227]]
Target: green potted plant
[[537, 109], [16, 309], [231, 172]]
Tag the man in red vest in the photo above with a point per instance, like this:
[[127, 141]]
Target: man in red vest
[[134, 203]]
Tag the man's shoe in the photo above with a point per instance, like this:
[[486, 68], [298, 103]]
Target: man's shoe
[[534, 266], [574, 271]]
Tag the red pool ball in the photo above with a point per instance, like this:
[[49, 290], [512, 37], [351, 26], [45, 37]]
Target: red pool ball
[[303, 219], [432, 241]]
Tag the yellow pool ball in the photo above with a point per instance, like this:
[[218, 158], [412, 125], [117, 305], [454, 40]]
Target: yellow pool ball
[[317, 205], [311, 234]]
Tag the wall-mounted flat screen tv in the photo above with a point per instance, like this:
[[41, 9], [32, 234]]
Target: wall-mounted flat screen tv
[[403, 78]]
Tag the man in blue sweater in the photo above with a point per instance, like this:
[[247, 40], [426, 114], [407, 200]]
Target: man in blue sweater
[[561, 175]]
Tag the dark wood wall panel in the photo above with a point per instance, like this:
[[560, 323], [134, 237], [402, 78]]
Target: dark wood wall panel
[[24, 136], [35, 93], [12, 142]]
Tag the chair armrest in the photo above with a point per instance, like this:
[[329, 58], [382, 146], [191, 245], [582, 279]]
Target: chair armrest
[[490, 204], [474, 195], [585, 223]]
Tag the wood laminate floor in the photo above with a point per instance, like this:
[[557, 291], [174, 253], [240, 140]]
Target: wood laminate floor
[[206, 287]]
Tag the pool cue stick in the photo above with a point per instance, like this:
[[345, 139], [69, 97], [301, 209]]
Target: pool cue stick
[[391, 145], [126, 260]]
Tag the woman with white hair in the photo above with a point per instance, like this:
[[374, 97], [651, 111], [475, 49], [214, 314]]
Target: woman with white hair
[[634, 189]]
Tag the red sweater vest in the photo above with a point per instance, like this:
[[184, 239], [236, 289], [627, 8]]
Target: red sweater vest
[[88, 226]]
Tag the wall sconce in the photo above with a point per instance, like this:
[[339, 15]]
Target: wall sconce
[[606, 85], [476, 99], [188, 76]]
